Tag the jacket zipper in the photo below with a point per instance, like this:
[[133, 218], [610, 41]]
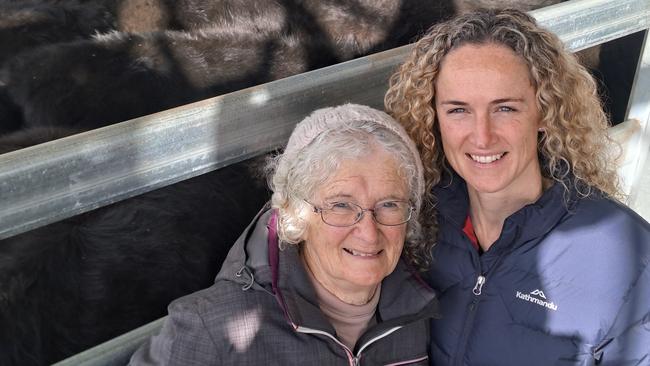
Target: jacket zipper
[[469, 321], [481, 279], [352, 359], [479, 285]]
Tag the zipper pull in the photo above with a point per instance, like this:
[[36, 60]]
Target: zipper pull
[[479, 285]]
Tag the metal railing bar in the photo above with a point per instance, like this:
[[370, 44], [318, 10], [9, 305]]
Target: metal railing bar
[[583, 24], [117, 351]]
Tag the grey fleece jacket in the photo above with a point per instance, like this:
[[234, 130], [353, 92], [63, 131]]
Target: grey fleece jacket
[[262, 310]]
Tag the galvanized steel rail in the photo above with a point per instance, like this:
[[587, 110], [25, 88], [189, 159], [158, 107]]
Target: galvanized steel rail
[[66, 177]]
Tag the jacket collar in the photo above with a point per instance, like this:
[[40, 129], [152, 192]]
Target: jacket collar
[[531, 221]]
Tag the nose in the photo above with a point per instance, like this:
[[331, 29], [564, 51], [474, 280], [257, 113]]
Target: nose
[[483, 133], [366, 229]]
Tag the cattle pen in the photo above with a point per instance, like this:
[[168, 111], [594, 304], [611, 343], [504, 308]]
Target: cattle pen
[[63, 178]]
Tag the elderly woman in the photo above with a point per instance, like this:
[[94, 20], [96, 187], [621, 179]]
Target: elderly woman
[[328, 275], [536, 262]]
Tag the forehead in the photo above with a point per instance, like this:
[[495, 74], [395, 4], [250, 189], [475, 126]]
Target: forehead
[[490, 63], [373, 176]]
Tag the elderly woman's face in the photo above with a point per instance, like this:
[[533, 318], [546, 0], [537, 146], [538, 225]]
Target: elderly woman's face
[[489, 120], [356, 257]]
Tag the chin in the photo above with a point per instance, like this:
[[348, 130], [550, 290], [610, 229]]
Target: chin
[[367, 280], [487, 183], [484, 187]]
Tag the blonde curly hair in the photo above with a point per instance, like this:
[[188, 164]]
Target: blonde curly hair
[[574, 149]]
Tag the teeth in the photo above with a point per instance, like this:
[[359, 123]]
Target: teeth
[[486, 159], [360, 254]]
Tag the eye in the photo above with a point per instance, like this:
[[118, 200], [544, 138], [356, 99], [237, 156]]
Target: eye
[[505, 108], [456, 110], [341, 206], [388, 204], [391, 206]]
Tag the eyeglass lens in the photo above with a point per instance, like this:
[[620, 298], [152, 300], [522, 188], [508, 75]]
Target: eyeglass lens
[[386, 213]]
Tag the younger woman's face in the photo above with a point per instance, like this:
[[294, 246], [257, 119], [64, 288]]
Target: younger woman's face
[[486, 107]]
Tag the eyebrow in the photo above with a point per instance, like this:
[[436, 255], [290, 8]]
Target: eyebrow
[[453, 102], [507, 100], [390, 197], [337, 195], [496, 101]]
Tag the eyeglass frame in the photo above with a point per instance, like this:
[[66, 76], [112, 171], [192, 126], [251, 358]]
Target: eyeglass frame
[[319, 210]]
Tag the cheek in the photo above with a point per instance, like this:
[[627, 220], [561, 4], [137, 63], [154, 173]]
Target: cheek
[[328, 240], [451, 135], [448, 150], [451, 149], [396, 241], [528, 142], [316, 230]]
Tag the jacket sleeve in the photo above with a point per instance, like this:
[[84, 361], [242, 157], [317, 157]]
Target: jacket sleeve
[[628, 342], [183, 340]]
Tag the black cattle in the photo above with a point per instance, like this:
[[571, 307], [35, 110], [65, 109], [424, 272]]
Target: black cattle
[[232, 44], [88, 84], [72, 284], [215, 47], [26, 24]]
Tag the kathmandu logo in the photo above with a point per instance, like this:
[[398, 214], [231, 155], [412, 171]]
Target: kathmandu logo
[[537, 297], [538, 293]]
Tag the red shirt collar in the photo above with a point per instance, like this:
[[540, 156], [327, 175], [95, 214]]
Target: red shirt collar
[[469, 231]]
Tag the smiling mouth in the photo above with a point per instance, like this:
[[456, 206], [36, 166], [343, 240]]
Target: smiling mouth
[[486, 159], [357, 253]]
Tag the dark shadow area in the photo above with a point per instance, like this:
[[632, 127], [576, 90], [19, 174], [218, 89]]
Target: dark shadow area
[[10, 114], [618, 62], [415, 18], [90, 84]]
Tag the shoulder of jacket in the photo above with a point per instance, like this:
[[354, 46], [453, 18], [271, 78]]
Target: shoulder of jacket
[[610, 212], [222, 306], [219, 297]]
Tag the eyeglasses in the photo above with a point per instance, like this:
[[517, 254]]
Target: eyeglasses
[[341, 214]]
